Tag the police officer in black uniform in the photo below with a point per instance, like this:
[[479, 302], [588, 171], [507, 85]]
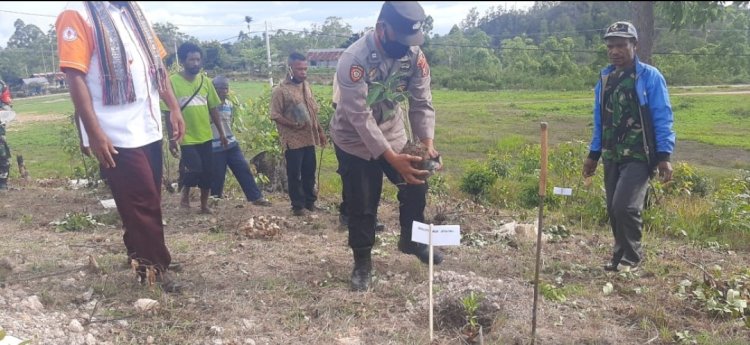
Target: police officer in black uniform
[[369, 138]]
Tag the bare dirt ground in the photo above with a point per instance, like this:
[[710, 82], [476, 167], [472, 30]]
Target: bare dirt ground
[[292, 288], [724, 157]]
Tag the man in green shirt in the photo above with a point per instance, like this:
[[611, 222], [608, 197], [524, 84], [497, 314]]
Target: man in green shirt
[[199, 102]]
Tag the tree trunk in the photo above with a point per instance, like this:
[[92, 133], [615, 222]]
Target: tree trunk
[[643, 19]]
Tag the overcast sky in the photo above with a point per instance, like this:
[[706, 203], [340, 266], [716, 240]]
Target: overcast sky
[[223, 20]]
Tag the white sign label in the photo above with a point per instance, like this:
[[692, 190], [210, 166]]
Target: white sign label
[[563, 191], [10, 340], [108, 203], [442, 235]]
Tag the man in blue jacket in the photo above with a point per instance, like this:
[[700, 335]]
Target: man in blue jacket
[[633, 136]]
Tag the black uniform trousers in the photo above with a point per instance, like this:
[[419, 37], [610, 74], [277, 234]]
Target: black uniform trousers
[[363, 183]]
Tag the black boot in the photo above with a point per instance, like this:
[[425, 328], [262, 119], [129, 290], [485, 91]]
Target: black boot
[[422, 251], [362, 269]]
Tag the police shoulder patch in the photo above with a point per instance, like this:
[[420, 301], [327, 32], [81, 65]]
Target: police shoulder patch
[[422, 64], [356, 72], [69, 34]]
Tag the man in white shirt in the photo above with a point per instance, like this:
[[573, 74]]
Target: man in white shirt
[[112, 60]]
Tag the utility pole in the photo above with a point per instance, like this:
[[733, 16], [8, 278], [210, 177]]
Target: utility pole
[[54, 57], [246, 36], [44, 60], [268, 56]]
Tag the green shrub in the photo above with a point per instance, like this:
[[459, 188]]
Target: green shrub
[[661, 220], [82, 166], [529, 195], [477, 181], [687, 181], [499, 166], [255, 130], [438, 186], [590, 210], [528, 161], [731, 211]]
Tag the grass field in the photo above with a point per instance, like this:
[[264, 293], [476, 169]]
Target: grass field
[[469, 124]]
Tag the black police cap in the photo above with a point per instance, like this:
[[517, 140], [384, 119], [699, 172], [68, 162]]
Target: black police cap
[[406, 18]]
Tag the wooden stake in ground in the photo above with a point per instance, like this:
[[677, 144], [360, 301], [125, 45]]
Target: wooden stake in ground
[[542, 193], [22, 171], [432, 337], [320, 165]]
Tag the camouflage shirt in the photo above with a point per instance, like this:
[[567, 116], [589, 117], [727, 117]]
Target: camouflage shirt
[[622, 131]]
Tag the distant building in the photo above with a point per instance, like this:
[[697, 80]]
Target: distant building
[[324, 58], [55, 79], [35, 86]]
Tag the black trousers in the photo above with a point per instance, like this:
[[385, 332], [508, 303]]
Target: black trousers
[[195, 165], [300, 173], [363, 184], [626, 185]]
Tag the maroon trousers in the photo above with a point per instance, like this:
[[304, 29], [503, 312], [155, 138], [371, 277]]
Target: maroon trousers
[[135, 182]]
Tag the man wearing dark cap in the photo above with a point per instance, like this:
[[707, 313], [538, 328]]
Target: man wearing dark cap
[[633, 136], [369, 138]]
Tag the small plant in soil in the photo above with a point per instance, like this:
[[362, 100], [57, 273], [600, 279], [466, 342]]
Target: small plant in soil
[[551, 293], [391, 93], [387, 91], [76, 221], [723, 298], [556, 233], [471, 305]]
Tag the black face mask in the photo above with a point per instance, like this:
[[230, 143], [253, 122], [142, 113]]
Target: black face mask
[[394, 49]]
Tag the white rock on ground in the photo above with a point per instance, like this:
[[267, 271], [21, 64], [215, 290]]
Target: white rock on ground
[[33, 303], [145, 304], [75, 326], [216, 330]]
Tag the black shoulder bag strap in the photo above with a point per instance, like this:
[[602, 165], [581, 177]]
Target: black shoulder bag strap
[[182, 107], [165, 113]]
